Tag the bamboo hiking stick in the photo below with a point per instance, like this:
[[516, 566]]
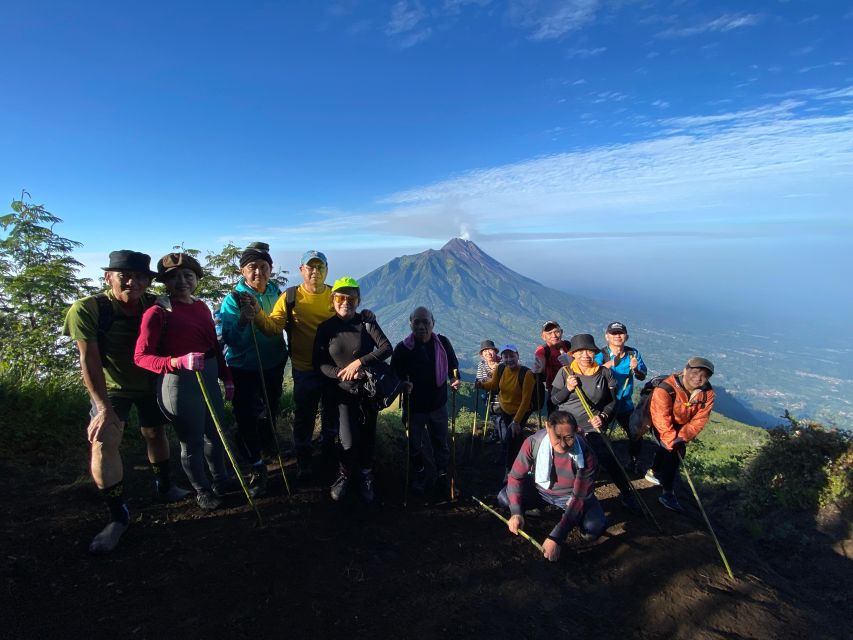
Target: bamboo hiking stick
[[269, 410], [705, 516], [645, 508], [225, 444], [474, 424], [453, 440], [522, 533]]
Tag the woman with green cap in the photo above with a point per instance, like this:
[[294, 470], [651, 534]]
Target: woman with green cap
[[344, 346]]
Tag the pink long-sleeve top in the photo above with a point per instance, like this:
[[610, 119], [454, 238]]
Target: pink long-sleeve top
[[164, 335]]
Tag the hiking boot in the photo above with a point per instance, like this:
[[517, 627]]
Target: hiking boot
[[228, 485], [173, 493], [418, 483], [339, 489], [651, 477], [631, 504], [207, 501], [366, 486], [258, 480], [441, 490], [108, 538], [633, 467], [669, 501]]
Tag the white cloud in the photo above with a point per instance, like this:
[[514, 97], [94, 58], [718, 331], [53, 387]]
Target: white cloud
[[722, 24], [405, 24], [585, 53], [551, 19], [660, 104]]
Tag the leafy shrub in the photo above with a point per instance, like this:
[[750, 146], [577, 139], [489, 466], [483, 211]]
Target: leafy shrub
[[801, 468]]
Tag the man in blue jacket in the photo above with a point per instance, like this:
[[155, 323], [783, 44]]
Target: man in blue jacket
[[255, 433], [625, 363]]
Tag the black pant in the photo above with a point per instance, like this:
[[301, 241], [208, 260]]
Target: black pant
[[309, 388], [357, 431], [510, 444], [665, 466], [254, 431], [634, 446], [606, 460]]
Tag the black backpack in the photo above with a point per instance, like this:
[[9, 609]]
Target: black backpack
[[537, 400], [106, 317], [641, 419]]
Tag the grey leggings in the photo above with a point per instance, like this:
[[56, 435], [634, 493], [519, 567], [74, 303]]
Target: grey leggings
[[181, 400]]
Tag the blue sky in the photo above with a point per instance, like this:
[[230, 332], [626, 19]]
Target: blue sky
[[584, 143]]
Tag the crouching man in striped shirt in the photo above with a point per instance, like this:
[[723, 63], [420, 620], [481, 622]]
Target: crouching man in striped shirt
[[555, 466]]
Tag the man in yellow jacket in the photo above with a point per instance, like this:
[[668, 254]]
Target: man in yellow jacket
[[515, 385]]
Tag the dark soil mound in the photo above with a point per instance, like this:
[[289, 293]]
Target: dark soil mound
[[324, 570]]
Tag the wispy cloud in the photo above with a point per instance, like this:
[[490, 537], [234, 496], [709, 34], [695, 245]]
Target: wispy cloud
[[740, 161], [725, 22], [551, 19], [660, 104], [585, 53], [406, 23]]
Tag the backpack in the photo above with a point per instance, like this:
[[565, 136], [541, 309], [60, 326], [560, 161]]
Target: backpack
[[289, 303], [537, 399], [380, 384], [106, 317], [641, 419]]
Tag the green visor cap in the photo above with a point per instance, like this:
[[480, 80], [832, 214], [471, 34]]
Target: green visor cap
[[345, 283]]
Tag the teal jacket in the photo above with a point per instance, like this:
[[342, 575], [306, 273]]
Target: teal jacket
[[241, 350]]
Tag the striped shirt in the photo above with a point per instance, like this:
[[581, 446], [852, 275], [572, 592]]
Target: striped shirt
[[566, 479]]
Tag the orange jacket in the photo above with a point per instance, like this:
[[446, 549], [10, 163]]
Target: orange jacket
[[679, 418]]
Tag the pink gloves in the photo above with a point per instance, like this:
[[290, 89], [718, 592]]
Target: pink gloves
[[190, 361]]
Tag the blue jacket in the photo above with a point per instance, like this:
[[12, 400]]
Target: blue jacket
[[622, 372], [241, 350]]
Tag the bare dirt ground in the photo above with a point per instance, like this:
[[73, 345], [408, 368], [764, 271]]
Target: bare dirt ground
[[324, 570]]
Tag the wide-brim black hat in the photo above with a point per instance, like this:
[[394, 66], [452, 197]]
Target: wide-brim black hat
[[583, 341], [127, 260]]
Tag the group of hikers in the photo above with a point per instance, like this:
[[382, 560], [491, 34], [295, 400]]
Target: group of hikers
[[163, 355]]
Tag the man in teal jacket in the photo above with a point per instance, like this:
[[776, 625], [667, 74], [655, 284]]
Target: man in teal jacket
[[255, 433]]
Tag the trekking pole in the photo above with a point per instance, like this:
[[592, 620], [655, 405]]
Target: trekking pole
[[453, 440], [705, 516], [506, 522], [645, 508], [407, 423], [474, 424], [269, 410], [538, 405], [486, 418], [225, 444]]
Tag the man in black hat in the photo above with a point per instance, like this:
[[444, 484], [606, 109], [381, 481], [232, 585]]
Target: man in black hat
[[255, 433], [105, 327]]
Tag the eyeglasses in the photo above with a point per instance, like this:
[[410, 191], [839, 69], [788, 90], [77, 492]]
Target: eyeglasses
[[315, 267], [340, 298]]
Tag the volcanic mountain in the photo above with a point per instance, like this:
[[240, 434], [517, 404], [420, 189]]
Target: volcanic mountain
[[474, 297]]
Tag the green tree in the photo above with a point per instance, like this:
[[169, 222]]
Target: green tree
[[38, 280]]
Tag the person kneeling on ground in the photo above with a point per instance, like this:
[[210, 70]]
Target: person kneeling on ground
[[555, 466], [677, 417]]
